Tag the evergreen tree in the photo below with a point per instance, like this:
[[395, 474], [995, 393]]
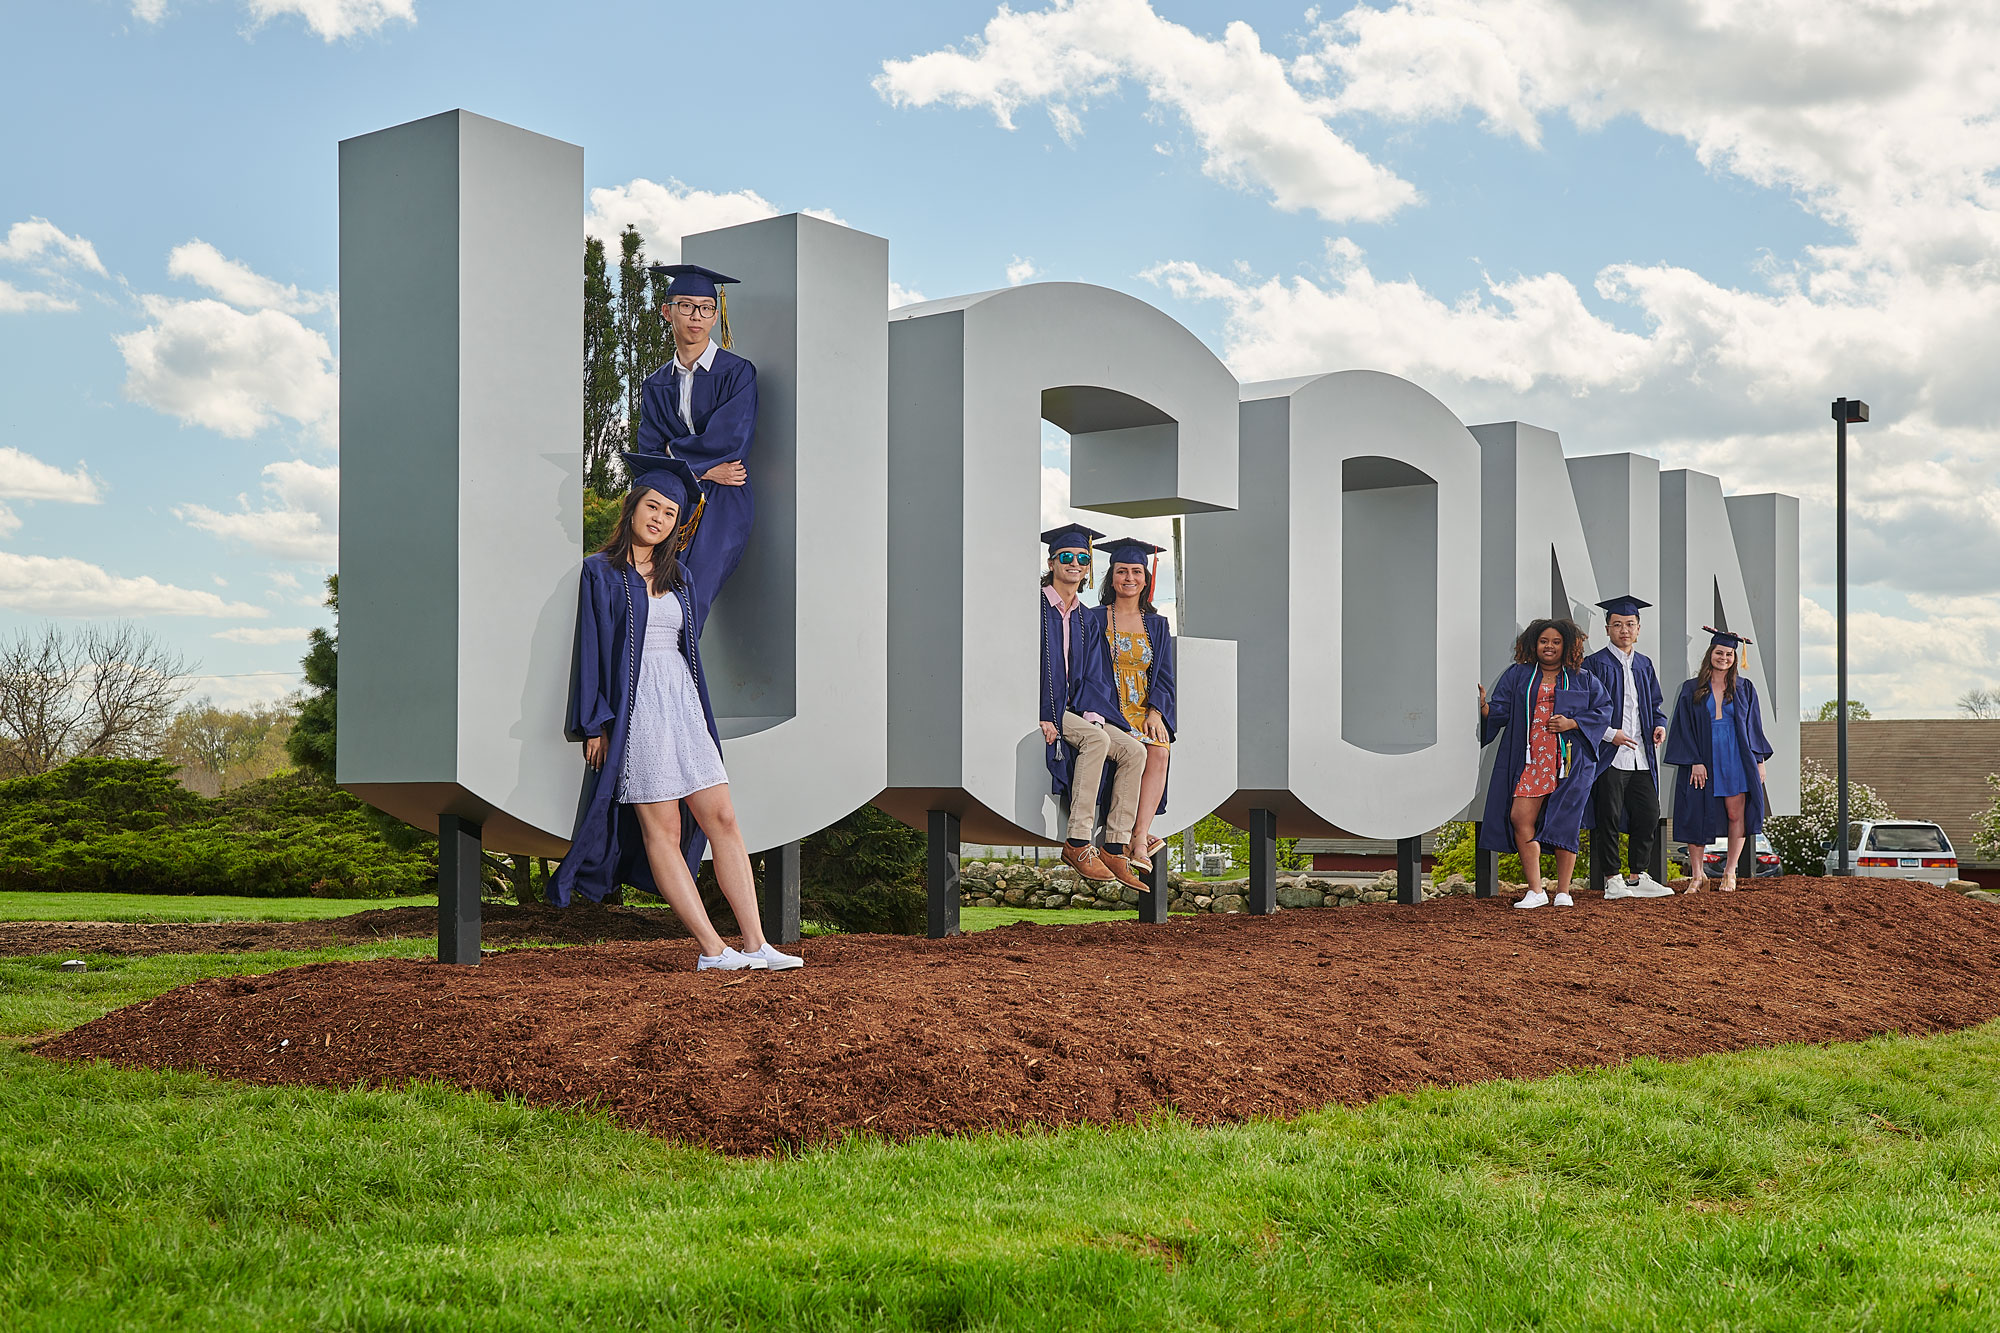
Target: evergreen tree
[[603, 389], [311, 743]]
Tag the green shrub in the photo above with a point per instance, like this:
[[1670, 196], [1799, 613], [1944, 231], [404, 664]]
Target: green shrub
[[865, 873], [127, 826]]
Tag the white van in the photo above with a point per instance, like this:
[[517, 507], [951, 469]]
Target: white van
[[1898, 849]]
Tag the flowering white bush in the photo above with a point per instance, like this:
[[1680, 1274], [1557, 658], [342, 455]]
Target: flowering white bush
[[1801, 839], [1987, 830]]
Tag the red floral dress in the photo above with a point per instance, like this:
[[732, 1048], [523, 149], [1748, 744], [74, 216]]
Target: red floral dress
[[1544, 765]]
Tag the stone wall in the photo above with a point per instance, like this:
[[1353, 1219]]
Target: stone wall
[[1018, 884]]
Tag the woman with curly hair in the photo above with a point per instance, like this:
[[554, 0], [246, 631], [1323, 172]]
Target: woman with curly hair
[[1554, 714]]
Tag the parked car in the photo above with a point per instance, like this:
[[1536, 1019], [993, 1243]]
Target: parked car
[[1768, 861], [1898, 849]]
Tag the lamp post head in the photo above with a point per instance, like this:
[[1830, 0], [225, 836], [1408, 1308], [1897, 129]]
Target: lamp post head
[[1849, 410]]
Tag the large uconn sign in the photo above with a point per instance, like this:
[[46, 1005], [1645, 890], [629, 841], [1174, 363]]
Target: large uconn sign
[[1357, 558]]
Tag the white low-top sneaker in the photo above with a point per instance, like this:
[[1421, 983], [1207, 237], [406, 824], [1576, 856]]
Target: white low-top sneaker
[[1564, 900], [775, 961], [1533, 898], [1648, 887], [730, 961], [1616, 888]]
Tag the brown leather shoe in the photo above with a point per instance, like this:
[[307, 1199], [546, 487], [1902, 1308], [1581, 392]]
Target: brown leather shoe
[[1121, 870], [1086, 862]]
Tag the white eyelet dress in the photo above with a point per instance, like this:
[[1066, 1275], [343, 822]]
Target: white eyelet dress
[[668, 751]]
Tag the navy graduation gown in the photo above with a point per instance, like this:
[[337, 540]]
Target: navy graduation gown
[[1159, 689], [606, 848], [1084, 686], [724, 406], [1511, 710], [1610, 672], [1699, 815]]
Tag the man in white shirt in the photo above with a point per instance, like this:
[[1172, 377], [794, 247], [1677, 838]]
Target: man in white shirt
[[1627, 791]]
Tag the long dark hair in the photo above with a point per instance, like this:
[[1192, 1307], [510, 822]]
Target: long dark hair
[[1106, 594], [1573, 637], [668, 575], [1706, 672]]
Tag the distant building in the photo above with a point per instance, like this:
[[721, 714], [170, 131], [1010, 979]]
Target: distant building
[[1925, 768]]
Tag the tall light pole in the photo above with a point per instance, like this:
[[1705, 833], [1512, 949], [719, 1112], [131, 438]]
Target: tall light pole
[[1844, 411]]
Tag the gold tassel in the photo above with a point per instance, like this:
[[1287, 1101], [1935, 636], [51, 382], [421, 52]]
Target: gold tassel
[[721, 317], [685, 538]]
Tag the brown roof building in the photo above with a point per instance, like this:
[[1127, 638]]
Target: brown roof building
[[1925, 768]]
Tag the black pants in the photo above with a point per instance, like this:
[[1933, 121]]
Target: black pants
[[1624, 797]]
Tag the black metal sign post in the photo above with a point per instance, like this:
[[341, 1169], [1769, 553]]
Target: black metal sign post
[[458, 891], [1263, 886], [1844, 411], [1153, 901], [941, 874], [1409, 870], [780, 907], [1485, 867]]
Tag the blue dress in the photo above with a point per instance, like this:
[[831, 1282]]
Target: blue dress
[[1727, 778]]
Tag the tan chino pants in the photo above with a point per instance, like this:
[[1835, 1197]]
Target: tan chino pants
[[1096, 742]]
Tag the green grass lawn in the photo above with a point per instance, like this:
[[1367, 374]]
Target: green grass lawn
[[162, 907], [1844, 1187]]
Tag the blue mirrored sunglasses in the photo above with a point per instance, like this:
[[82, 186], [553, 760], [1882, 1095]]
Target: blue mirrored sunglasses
[[1071, 558]]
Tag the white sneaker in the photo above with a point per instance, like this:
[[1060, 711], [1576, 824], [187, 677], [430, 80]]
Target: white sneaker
[[1534, 898], [1648, 887], [1616, 888], [730, 961], [1564, 900], [775, 961]]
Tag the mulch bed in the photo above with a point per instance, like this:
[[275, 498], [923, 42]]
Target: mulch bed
[[1221, 1018], [501, 924]]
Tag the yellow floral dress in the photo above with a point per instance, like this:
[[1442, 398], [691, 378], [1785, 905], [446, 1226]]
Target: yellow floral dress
[[1132, 670]]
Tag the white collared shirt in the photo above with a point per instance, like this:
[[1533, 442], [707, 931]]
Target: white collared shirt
[[684, 381], [1632, 758]]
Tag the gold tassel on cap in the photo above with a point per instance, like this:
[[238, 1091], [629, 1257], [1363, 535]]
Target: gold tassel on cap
[[721, 317]]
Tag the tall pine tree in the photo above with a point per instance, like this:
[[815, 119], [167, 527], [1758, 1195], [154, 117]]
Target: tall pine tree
[[603, 389]]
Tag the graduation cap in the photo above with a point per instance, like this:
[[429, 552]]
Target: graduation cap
[[1070, 535], [1132, 551], [690, 280], [671, 477], [1722, 638], [1627, 605]]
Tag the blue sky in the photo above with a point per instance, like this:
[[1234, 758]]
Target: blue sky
[[1611, 221]]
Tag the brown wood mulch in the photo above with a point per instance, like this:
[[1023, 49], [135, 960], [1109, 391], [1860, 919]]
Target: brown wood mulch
[[1221, 1018]]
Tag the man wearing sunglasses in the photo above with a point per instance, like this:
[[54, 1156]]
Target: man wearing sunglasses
[[701, 407], [1082, 725]]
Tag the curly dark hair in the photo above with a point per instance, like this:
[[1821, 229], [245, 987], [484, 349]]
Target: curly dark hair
[[1573, 639]]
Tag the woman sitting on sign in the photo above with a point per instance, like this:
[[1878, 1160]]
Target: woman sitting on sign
[[1554, 714], [657, 793], [1717, 738], [1142, 668]]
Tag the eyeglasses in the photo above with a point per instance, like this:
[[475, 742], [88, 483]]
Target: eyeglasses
[[1071, 558], [689, 310]]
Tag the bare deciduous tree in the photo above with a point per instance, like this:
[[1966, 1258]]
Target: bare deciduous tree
[[84, 690], [1980, 703]]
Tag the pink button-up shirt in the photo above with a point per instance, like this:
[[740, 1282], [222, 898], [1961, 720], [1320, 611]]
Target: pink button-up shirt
[[1056, 601]]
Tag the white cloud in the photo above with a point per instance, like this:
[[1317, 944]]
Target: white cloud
[[899, 295], [334, 19], [264, 634], [66, 586], [25, 477], [1258, 129], [300, 521], [1020, 270], [1914, 665], [149, 11], [239, 285], [212, 365], [40, 241], [14, 301], [664, 214]]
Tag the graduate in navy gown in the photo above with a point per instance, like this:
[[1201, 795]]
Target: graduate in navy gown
[[1626, 795], [1551, 714], [1083, 730], [1717, 739], [701, 407], [655, 794], [1141, 649]]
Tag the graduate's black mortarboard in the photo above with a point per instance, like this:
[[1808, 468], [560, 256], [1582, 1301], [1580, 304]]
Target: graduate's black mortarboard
[[1132, 551], [1623, 606], [690, 279], [671, 477], [1070, 536], [1722, 638]]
